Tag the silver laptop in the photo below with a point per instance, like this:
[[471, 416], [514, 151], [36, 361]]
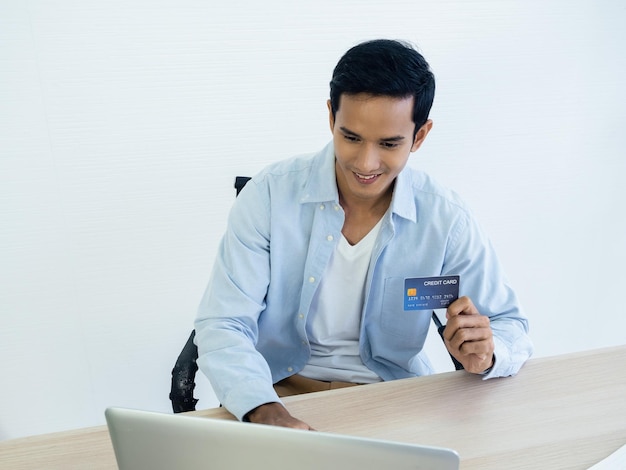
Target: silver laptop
[[159, 441]]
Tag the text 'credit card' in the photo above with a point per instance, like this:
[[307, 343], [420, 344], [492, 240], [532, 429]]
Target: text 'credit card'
[[425, 293]]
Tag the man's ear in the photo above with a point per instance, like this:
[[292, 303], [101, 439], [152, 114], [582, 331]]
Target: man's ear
[[421, 134], [331, 117]]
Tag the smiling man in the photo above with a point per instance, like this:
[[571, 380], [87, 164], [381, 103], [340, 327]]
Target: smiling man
[[307, 291]]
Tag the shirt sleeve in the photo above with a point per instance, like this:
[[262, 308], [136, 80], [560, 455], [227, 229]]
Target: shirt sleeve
[[227, 321], [471, 255]]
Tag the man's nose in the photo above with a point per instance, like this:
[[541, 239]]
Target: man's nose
[[368, 158]]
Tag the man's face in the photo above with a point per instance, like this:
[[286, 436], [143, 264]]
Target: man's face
[[373, 137]]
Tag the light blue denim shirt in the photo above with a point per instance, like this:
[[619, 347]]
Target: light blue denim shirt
[[282, 230]]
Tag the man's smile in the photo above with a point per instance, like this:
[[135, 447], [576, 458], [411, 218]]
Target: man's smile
[[366, 179]]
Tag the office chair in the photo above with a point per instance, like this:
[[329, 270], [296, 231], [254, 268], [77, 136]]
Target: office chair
[[184, 371]]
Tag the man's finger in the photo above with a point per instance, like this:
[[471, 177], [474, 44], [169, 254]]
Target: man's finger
[[462, 305]]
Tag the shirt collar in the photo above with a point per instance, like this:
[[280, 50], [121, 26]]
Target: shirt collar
[[403, 200], [322, 185]]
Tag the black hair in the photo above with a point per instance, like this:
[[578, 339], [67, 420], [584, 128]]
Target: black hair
[[385, 67]]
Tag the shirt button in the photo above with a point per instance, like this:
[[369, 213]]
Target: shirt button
[[301, 315], [336, 207], [322, 207], [311, 279], [330, 238], [289, 369]]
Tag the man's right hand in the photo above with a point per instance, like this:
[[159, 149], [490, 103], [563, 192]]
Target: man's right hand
[[276, 414]]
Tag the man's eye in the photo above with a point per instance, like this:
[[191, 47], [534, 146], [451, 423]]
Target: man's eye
[[389, 145], [350, 138]]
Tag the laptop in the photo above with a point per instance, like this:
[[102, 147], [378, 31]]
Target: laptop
[[160, 441]]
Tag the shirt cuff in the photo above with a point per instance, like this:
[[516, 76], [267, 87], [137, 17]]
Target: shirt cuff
[[493, 364]]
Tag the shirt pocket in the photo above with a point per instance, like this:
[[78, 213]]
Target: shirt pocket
[[409, 325]]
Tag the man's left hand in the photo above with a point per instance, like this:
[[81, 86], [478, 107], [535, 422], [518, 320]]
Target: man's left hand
[[468, 336]]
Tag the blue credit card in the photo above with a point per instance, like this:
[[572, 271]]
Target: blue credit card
[[426, 293]]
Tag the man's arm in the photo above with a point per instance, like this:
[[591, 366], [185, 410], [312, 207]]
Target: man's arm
[[227, 321], [487, 332]]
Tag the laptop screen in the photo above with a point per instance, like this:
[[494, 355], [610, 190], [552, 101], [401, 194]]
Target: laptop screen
[[159, 441]]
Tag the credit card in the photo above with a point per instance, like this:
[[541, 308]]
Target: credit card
[[426, 293]]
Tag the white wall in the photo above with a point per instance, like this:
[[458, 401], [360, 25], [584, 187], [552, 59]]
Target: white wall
[[123, 124]]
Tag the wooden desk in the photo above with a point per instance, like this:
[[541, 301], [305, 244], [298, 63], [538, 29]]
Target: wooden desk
[[565, 412]]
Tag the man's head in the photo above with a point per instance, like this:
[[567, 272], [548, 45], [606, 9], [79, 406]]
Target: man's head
[[380, 97], [385, 67]]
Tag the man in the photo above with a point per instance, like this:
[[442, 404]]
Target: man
[[307, 289]]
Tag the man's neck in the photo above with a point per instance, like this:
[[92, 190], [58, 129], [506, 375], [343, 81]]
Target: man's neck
[[362, 215]]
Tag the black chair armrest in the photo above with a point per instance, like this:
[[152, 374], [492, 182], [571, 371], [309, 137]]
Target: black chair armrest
[[183, 378]]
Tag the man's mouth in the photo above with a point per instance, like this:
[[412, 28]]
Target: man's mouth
[[366, 178]]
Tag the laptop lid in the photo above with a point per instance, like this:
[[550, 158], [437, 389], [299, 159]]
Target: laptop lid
[[159, 441]]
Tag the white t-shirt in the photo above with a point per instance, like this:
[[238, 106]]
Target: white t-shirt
[[334, 321]]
